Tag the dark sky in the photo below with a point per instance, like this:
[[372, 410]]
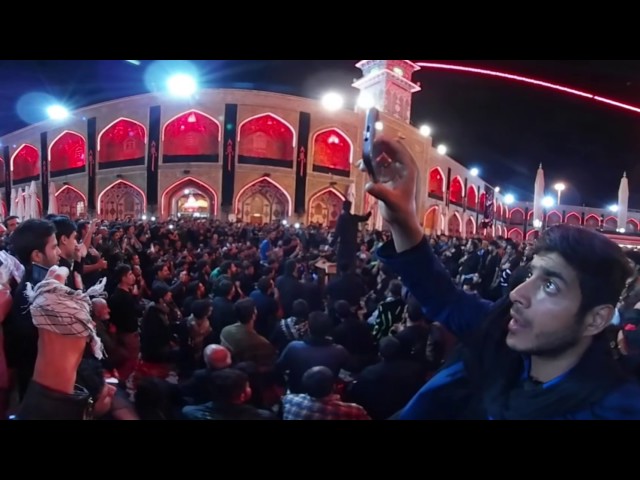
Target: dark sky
[[504, 128]]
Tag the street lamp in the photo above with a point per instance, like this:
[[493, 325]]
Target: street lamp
[[559, 187]]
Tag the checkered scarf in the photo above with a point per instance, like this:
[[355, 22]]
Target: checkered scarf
[[60, 309]]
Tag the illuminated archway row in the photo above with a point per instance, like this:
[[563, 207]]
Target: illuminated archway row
[[183, 182], [529, 80]]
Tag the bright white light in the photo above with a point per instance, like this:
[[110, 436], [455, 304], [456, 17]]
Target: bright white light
[[613, 208], [537, 223], [366, 101], [621, 230], [559, 187], [442, 149], [332, 101], [134, 62], [182, 85], [497, 189], [57, 112], [186, 191], [144, 217], [548, 202], [379, 126], [284, 222], [425, 130], [296, 225], [474, 172], [153, 219], [509, 199]]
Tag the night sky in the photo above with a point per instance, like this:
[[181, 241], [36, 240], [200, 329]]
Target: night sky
[[504, 128]]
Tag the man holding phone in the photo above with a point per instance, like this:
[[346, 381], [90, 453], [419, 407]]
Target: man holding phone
[[539, 353]]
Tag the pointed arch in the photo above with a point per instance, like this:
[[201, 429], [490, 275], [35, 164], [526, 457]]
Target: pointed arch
[[125, 184], [171, 190], [531, 234], [332, 150], [635, 223], [482, 202], [570, 216], [516, 216], [67, 154], [472, 197], [191, 136], [71, 202], [515, 234], [325, 210], [28, 166], [555, 214], [122, 143], [456, 190], [456, 231], [430, 223], [472, 221], [610, 222], [436, 182], [266, 139], [239, 195], [530, 215], [592, 221]]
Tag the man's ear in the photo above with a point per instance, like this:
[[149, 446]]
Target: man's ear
[[598, 319]]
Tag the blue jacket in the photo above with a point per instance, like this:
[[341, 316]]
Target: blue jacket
[[453, 392]]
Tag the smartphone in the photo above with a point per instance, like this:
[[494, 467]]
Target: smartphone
[[373, 117]]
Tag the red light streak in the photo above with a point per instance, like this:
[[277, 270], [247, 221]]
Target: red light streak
[[532, 81]]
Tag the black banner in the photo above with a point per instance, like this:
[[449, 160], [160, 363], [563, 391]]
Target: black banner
[[153, 159], [489, 210], [7, 177], [229, 155], [44, 172], [302, 163], [92, 140]]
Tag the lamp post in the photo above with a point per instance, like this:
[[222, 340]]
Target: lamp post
[[559, 187]]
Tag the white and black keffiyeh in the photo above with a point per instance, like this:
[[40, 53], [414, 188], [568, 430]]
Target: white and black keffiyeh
[[60, 309]]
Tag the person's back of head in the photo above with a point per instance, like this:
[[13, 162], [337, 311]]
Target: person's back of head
[[216, 357], [318, 382], [342, 309], [290, 267], [320, 325], [264, 285], [300, 310], [395, 288], [200, 309], [245, 311], [229, 386], [389, 348]]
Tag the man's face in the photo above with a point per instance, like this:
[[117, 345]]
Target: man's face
[[12, 225], [68, 245], [545, 307], [51, 254]]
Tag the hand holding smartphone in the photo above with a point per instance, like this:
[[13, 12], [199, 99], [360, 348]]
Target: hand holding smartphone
[[379, 165]]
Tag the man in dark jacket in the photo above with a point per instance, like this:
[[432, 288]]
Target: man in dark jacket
[[346, 234], [541, 352]]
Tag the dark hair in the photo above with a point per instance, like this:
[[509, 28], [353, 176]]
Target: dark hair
[[244, 310], [318, 382], [319, 325], [8, 219], [200, 308], [264, 284], [227, 385], [31, 235], [300, 309], [600, 264], [65, 227], [121, 270]]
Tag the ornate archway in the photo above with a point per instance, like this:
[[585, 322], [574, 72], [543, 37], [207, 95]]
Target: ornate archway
[[67, 154], [71, 202], [189, 197], [455, 225], [262, 201], [436, 183], [332, 151], [122, 144], [431, 220], [325, 207], [266, 139], [192, 136], [25, 164], [121, 200]]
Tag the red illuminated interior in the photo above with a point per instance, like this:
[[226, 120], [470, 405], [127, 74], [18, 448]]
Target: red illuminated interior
[[192, 133], [266, 137], [483, 198], [331, 149], [436, 182], [26, 163], [124, 140], [455, 194], [472, 198], [67, 151]]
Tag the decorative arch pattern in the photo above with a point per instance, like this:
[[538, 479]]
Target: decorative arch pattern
[[456, 191], [122, 144], [266, 139], [455, 224], [325, 207], [592, 221], [71, 202], [25, 164], [472, 197], [436, 183], [67, 154], [573, 218], [332, 152], [431, 220], [262, 201], [192, 136], [121, 200], [516, 216]]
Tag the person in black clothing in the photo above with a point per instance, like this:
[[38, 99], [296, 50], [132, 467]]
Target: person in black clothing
[[354, 335], [266, 306], [67, 236], [223, 312], [35, 245], [346, 234], [289, 287], [347, 286]]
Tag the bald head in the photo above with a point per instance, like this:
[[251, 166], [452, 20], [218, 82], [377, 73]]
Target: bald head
[[216, 357], [100, 309]]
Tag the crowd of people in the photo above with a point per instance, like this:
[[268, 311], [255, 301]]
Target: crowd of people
[[199, 319]]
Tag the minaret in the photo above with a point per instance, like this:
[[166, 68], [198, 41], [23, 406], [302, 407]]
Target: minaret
[[623, 201], [387, 84], [538, 195]]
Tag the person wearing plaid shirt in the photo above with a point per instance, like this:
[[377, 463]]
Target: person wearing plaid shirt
[[320, 403]]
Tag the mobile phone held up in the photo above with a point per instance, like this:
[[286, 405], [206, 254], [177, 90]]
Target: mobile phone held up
[[379, 166]]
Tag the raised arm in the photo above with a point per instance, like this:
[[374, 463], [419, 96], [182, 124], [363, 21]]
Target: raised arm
[[409, 254]]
